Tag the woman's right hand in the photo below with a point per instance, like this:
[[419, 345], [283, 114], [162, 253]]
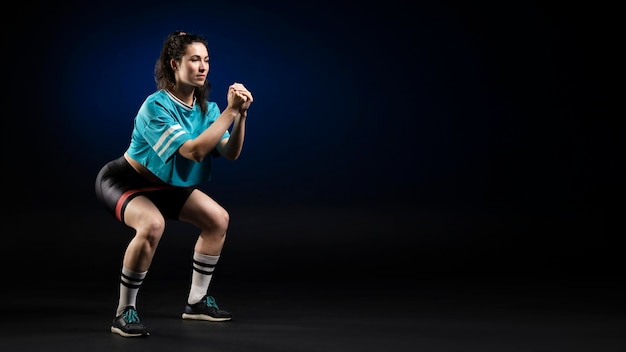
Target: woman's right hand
[[239, 98]]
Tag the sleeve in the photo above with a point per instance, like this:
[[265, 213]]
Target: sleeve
[[162, 130]]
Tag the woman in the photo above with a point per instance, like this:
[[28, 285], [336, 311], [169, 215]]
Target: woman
[[176, 133]]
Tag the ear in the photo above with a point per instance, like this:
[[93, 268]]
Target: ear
[[173, 64]]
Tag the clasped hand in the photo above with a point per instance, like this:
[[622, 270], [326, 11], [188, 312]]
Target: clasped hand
[[239, 97]]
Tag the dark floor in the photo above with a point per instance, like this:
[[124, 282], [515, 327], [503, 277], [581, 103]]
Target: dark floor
[[433, 282], [439, 315]]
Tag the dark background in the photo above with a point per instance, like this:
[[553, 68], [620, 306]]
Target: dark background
[[390, 140]]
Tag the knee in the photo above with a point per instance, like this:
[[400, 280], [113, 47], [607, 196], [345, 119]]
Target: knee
[[152, 229], [211, 221], [222, 220], [217, 223]]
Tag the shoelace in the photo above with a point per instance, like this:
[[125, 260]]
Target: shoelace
[[131, 316], [210, 301]]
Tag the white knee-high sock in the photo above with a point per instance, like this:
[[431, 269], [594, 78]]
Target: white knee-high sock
[[130, 282], [203, 266]]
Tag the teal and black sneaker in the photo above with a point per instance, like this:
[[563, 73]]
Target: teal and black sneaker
[[206, 309], [128, 324]]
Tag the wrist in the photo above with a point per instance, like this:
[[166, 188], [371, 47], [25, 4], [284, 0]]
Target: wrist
[[231, 112]]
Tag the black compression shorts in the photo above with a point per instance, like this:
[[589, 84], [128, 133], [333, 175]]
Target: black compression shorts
[[118, 183]]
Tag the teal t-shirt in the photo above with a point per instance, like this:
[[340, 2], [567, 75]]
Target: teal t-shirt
[[163, 123]]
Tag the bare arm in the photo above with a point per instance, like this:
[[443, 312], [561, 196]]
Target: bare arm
[[197, 149], [231, 148]]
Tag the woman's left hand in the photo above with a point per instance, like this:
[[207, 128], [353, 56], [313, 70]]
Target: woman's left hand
[[241, 91]]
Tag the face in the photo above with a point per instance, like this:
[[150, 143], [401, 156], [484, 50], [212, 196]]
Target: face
[[193, 66]]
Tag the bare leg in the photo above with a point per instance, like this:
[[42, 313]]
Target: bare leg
[[149, 226], [212, 220]]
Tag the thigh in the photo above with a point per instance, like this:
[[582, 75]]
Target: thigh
[[203, 211], [170, 201], [141, 212], [117, 184]]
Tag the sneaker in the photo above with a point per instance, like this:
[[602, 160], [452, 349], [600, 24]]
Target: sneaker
[[127, 324], [206, 309]]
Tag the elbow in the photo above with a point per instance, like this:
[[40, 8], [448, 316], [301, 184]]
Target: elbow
[[197, 157], [228, 152], [231, 156], [192, 154]]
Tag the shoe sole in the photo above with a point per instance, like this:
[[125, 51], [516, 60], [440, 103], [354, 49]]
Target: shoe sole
[[125, 334], [188, 316]]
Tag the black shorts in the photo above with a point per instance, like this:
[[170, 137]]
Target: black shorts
[[118, 183]]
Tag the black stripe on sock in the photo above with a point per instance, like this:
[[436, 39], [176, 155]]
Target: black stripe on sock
[[203, 264], [203, 271], [129, 285], [139, 281]]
